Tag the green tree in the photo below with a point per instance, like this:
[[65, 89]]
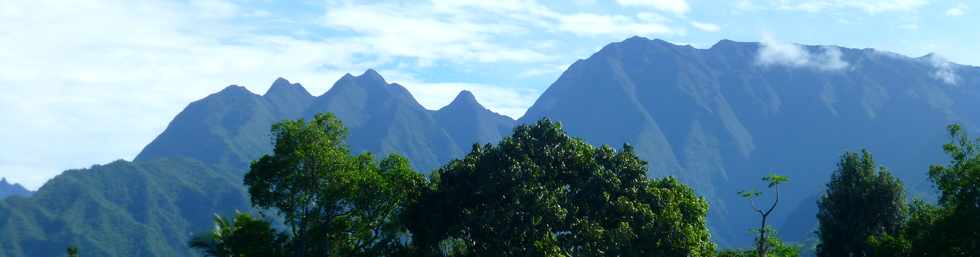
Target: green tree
[[777, 248], [72, 251], [333, 203], [951, 228], [763, 247], [243, 236], [541, 192], [862, 200], [957, 225]]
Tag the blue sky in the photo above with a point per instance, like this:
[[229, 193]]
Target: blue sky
[[92, 81]]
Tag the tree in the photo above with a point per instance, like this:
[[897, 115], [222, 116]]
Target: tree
[[541, 192], [777, 248], [243, 236], [762, 241], [862, 200], [958, 226], [333, 203], [951, 228], [72, 251]]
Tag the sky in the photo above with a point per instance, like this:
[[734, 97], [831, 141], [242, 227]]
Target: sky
[[92, 81]]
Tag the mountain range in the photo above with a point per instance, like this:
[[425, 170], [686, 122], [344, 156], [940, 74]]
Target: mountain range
[[8, 189], [717, 118]]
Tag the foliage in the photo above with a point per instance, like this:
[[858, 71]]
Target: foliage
[[959, 187], [777, 249], [951, 228], [862, 200], [242, 237], [540, 192], [72, 251], [333, 203]]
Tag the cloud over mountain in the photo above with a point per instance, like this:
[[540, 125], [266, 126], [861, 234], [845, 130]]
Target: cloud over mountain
[[776, 53]]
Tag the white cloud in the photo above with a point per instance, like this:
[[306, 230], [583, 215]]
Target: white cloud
[[587, 24], [679, 7], [945, 71], [472, 30], [958, 10], [506, 100], [440, 31], [706, 27], [867, 6], [776, 53], [909, 26]]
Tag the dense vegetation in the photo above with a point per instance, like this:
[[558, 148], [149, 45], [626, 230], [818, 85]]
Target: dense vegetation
[[123, 208], [540, 192], [537, 193], [862, 200]]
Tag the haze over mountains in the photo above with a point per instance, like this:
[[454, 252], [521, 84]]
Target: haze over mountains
[[717, 118]]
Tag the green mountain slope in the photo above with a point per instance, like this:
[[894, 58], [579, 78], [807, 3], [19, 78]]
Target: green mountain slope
[[149, 208]]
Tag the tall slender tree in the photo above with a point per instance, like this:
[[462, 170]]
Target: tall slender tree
[[862, 200], [763, 239]]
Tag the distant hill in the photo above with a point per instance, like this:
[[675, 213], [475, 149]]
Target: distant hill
[[717, 118], [8, 189]]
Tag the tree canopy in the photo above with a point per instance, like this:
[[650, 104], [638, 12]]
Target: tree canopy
[[861, 200], [333, 203], [541, 192]]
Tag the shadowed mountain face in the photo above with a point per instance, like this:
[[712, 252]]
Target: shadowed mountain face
[[384, 119], [468, 122], [8, 189], [719, 119]]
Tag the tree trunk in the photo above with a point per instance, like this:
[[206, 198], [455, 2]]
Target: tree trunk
[[762, 246]]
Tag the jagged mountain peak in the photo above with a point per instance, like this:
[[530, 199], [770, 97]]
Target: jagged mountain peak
[[12, 189], [235, 90], [369, 87], [368, 77], [371, 74], [465, 99], [282, 87]]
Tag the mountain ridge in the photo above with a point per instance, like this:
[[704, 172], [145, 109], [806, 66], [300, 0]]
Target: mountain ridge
[[716, 118], [8, 189]]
